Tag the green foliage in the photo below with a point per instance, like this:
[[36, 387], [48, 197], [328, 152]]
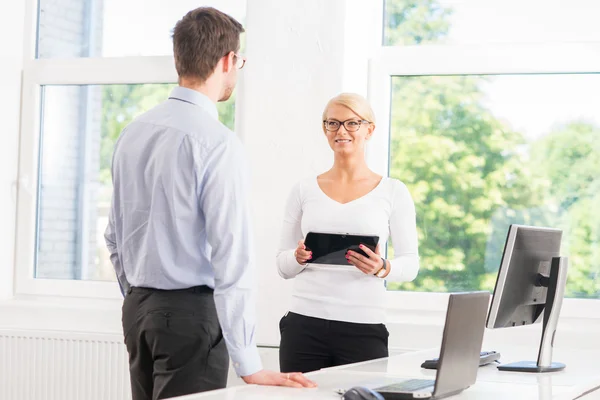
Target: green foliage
[[227, 112], [461, 165], [569, 165], [569, 159], [471, 176], [409, 22]]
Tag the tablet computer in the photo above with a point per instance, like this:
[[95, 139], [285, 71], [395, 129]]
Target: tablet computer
[[331, 248]]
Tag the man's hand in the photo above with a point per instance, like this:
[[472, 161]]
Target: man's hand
[[271, 378]]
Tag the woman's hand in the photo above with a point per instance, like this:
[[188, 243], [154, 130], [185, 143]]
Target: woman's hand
[[368, 265], [302, 255]]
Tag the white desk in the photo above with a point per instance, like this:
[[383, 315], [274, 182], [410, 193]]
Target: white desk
[[581, 375]]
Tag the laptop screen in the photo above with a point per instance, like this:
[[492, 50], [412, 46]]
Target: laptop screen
[[461, 342]]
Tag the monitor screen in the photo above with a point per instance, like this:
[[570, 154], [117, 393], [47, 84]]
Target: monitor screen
[[520, 293]]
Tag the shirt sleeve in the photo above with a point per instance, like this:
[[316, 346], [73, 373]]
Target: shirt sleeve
[[403, 229], [113, 250], [291, 233], [224, 201]]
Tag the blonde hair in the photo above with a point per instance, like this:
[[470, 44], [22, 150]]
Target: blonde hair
[[355, 102]]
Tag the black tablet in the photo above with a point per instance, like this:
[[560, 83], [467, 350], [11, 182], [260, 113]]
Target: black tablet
[[331, 248]]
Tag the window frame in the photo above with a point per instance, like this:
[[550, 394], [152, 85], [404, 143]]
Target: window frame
[[77, 71], [37, 72], [493, 59]]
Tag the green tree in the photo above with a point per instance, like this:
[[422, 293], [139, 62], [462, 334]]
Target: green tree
[[471, 176], [409, 22], [568, 164], [458, 161], [461, 165]]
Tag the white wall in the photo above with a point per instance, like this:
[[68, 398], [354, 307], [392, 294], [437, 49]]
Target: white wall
[[304, 55]]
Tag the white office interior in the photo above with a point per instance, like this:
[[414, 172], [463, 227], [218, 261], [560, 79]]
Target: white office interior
[[486, 109]]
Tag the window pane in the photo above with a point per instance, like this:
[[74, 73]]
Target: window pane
[[410, 22], [481, 152], [115, 28], [79, 127]]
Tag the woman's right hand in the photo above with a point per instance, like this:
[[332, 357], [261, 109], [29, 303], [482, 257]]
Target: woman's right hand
[[301, 253]]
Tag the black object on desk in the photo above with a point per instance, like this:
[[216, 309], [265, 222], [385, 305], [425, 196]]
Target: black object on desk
[[485, 358], [361, 393]]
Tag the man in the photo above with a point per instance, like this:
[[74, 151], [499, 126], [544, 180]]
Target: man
[[179, 228]]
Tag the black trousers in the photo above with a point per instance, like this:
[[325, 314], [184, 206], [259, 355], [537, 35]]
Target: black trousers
[[309, 344], [174, 341]]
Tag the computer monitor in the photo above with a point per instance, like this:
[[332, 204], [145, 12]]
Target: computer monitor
[[529, 289]]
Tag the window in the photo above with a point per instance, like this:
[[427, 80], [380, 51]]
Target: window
[[460, 22], [79, 128], [481, 152], [492, 121], [76, 101], [116, 28]]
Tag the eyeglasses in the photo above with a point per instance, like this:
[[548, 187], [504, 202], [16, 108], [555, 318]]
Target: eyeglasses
[[351, 125], [241, 61]]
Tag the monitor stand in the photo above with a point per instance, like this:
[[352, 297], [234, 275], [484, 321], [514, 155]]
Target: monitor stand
[[556, 284]]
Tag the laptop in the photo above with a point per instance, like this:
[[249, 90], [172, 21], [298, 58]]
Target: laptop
[[459, 354]]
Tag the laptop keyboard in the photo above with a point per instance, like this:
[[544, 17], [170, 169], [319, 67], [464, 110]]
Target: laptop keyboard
[[410, 385]]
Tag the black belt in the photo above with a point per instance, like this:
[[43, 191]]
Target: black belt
[[193, 289]]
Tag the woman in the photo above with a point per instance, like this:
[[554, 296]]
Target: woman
[[338, 312]]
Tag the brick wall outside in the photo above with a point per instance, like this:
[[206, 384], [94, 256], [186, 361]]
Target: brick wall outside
[[70, 144]]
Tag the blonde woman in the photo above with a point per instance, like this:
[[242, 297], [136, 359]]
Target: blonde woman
[[338, 312]]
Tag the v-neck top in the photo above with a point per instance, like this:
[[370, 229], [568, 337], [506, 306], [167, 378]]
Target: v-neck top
[[382, 181], [339, 292]]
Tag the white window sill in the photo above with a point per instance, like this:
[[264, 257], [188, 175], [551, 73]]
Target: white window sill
[[425, 305], [415, 320]]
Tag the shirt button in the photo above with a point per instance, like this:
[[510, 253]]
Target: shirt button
[[237, 364]]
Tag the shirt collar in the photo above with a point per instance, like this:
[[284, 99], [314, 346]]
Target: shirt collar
[[196, 98]]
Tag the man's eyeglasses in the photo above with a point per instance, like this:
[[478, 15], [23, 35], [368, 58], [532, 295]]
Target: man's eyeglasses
[[351, 125], [240, 61]]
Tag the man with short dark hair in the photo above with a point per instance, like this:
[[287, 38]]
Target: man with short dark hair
[[179, 229]]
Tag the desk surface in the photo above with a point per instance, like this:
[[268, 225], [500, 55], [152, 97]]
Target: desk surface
[[581, 375]]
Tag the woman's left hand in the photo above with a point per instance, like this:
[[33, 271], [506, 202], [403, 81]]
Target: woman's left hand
[[368, 265]]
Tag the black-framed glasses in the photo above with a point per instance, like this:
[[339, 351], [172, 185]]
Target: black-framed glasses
[[241, 61], [351, 125]]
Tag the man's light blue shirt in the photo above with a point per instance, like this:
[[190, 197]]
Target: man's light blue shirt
[[180, 214]]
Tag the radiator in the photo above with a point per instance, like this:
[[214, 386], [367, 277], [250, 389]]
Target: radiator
[[38, 365]]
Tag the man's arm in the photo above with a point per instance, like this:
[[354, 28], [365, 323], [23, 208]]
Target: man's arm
[[111, 244], [224, 199]]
